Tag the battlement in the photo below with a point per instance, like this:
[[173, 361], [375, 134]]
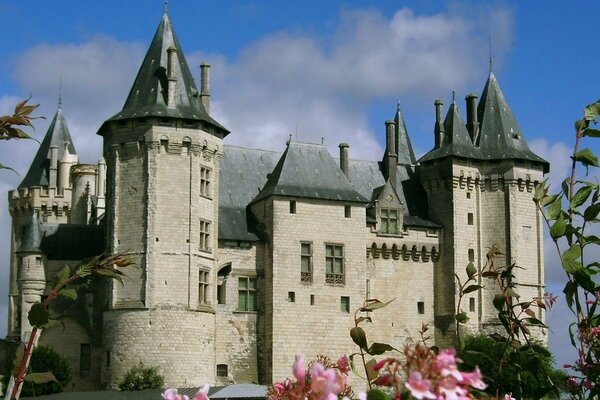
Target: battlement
[[38, 197]]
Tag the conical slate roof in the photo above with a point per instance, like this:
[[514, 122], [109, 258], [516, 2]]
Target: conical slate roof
[[457, 141], [57, 135], [404, 150], [148, 95], [32, 238], [308, 170], [500, 136]]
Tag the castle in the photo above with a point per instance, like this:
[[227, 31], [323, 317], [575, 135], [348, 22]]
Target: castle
[[246, 256]]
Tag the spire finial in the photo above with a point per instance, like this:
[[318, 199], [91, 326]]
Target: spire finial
[[397, 104], [453, 97], [166, 6], [490, 44], [60, 91]]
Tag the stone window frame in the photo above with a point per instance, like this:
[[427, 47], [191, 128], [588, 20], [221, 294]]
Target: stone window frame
[[333, 275], [306, 262], [246, 291], [204, 235], [222, 370], [345, 304], [206, 181], [203, 287], [385, 220]]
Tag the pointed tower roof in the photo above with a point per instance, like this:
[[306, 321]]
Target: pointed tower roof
[[404, 150], [148, 95], [500, 136], [32, 238], [308, 170], [457, 141], [57, 135]]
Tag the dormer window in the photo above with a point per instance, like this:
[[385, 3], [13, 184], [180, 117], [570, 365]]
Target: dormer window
[[388, 221]]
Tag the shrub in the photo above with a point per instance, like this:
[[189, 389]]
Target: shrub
[[141, 377], [44, 359]]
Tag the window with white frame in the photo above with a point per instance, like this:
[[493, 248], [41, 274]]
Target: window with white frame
[[205, 176], [305, 262], [204, 235], [334, 264], [203, 297]]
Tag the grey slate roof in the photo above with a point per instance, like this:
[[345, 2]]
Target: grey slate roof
[[241, 391], [72, 242], [500, 136], [457, 141], [57, 135], [404, 149], [307, 170], [148, 94], [33, 237]]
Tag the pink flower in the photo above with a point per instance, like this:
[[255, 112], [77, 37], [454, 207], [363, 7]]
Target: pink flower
[[299, 370], [473, 379], [202, 393], [324, 382], [450, 389], [595, 331], [445, 363], [343, 364], [171, 394], [419, 387], [509, 397]]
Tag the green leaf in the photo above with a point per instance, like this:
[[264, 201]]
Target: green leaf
[[591, 111], [2, 166], [553, 210], [565, 187], [583, 279], [376, 394], [591, 212], [38, 315], [489, 274], [40, 377], [586, 157], [379, 348], [581, 196], [541, 190], [559, 228], [472, 288], [581, 124], [471, 270], [499, 302], [69, 293], [591, 132], [62, 276], [547, 200], [571, 259], [538, 349], [569, 291], [534, 321], [52, 323], [370, 369], [461, 317], [511, 292], [359, 337], [375, 304]]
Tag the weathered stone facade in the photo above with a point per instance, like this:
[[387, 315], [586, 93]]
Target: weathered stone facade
[[247, 257]]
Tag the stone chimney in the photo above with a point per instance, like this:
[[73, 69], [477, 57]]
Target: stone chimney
[[390, 159], [205, 85], [171, 79], [472, 122], [53, 170], [101, 186], [344, 159], [439, 124]]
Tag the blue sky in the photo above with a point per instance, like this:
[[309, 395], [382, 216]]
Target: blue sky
[[314, 69]]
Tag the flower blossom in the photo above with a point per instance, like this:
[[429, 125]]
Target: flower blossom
[[445, 363], [299, 371], [419, 388], [171, 394], [324, 382], [473, 379], [509, 397]]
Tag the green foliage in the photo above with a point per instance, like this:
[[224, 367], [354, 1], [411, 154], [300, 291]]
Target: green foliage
[[141, 377], [528, 369], [44, 360]]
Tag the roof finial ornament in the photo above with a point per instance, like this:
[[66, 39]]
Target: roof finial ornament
[[453, 97], [397, 104], [60, 91], [490, 44], [166, 6]]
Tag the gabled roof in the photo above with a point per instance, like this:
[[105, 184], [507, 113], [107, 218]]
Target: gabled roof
[[457, 142], [308, 170], [148, 95], [500, 136], [57, 135], [404, 150]]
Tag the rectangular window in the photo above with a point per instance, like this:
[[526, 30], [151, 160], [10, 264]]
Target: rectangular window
[[389, 221], [205, 181], [345, 304], [38, 261], [292, 297], [203, 287], [164, 146], [312, 299], [348, 211], [222, 370], [472, 304], [292, 206], [470, 218], [334, 264], [107, 360], [246, 294], [305, 262], [471, 255], [221, 293], [421, 307], [468, 195], [205, 235], [85, 359]]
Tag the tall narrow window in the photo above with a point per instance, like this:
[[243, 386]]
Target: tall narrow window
[[205, 235], [247, 294], [205, 181], [203, 287], [470, 218], [389, 221], [334, 264], [472, 304], [421, 307], [305, 262], [292, 206], [85, 359], [348, 211], [345, 304], [471, 255]]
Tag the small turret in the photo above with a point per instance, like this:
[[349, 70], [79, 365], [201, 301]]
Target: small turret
[[64, 168]]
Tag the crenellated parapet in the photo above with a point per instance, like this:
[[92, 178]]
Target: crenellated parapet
[[49, 200]]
